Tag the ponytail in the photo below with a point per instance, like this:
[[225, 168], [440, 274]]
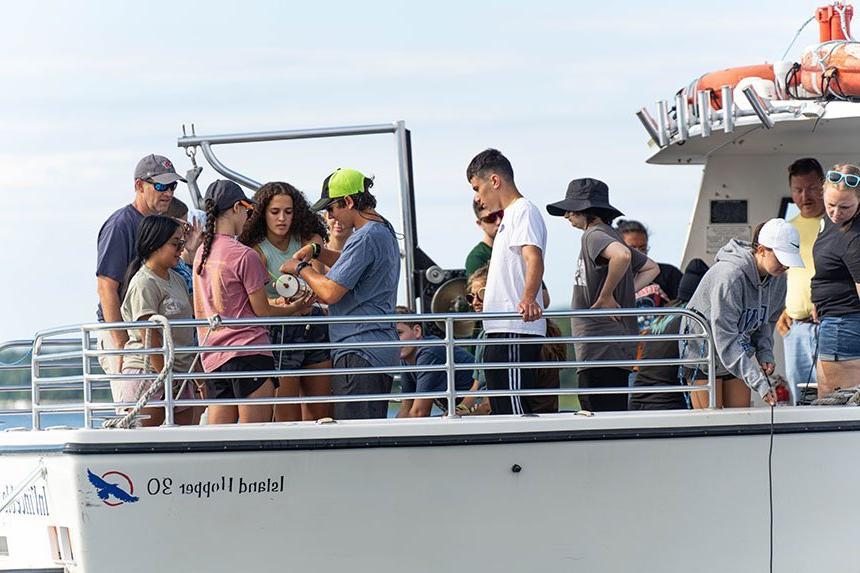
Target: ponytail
[[208, 233]]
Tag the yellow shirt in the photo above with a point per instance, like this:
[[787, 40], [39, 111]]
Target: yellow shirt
[[798, 296]]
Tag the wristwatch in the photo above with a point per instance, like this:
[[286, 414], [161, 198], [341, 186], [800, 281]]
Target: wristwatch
[[301, 266], [316, 248]]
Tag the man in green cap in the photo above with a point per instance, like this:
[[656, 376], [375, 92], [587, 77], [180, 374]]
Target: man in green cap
[[362, 281]]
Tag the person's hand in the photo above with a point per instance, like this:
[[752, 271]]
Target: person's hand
[[767, 368], [769, 398], [303, 254], [783, 324], [302, 305], [193, 236], [529, 309], [607, 302], [290, 265], [815, 314]]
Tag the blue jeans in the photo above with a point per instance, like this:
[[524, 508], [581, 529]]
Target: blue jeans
[[800, 350]]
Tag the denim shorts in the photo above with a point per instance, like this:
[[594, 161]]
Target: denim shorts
[[839, 338]]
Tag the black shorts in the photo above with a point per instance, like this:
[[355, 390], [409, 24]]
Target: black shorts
[[241, 387], [300, 334]]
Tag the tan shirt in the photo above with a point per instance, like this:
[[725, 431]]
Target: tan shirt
[[798, 297], [150, 294]]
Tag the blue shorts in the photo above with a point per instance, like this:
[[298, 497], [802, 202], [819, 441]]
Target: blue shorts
[[839, 338]]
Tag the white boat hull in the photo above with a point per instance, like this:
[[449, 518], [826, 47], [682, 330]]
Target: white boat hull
[[609, 493]]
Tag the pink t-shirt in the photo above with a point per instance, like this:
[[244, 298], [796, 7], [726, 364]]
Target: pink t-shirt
[[232, 272]]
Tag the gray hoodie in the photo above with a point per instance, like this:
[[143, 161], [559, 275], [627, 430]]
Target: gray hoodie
[[742, 310]]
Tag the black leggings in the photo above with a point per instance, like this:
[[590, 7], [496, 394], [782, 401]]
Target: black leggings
[[603, 378]]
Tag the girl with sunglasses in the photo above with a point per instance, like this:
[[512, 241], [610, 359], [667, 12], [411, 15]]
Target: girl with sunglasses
[[741, 296], [836, 283], [282, 224], [151, 286], [230, 281]]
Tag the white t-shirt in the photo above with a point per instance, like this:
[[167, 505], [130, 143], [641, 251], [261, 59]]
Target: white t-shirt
[[521, 225]]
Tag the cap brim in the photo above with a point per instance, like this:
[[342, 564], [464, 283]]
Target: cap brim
[[322, 204], [791, 260], [559, 208], [167, 178]]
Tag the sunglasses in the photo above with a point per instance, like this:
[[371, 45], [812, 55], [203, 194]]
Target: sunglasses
[[162, 187], [249, 207], [180, 244], [492, 217], [473, 296], [850, 179]]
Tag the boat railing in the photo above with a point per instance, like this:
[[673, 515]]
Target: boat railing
[[88, 379]]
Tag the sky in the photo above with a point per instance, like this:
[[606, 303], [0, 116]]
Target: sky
[[88, 88]]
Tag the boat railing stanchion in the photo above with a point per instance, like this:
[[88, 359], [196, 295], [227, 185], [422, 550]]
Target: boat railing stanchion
[[450, 367], [85, 374], [649, 124], [663, 123], [168, 381], [683, 116], [35, 371], [407, 210], [728, 109], [705, 112]]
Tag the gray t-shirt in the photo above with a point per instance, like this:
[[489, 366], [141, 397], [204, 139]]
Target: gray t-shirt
[[591, 270], [369, 266], [150, 294]]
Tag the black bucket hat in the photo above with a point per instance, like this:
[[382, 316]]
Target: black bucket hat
[[581, 195]]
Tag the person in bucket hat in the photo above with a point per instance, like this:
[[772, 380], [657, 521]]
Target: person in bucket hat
[[608, 274], [155, 181], [362, 280]]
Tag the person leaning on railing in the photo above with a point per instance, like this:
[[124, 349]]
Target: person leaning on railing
[[836, 283], [741, 297], [151, 286]]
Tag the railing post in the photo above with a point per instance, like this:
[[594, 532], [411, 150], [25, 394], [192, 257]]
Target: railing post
[[168, 384], [712, 377], [34, 383], [451, 369], [85, 372]]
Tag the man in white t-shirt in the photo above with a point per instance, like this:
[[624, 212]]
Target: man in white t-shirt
[[514, 279]]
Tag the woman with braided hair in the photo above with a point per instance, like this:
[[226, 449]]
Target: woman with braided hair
[[282, 224], [230, 280]]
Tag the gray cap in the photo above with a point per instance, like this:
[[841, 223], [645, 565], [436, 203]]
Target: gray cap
[[156, 168]]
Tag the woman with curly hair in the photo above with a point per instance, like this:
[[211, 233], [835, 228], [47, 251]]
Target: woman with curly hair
[[281, 225]]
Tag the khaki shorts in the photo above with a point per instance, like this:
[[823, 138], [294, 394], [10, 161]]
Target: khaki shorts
[[132, 390], [104, 341]]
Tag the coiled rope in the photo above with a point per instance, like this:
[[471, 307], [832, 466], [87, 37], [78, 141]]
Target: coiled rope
[[840, 397]]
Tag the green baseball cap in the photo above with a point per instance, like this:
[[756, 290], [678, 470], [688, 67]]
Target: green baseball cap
[[340, 184]]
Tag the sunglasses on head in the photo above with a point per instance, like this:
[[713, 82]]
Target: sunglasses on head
[[492, 217], [473, 296], [837, 177], [162, 187]]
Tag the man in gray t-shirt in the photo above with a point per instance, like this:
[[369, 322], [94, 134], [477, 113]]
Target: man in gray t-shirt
[[362, 282]]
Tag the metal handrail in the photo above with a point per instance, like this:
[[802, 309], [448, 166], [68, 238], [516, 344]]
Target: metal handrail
[[88, 380]]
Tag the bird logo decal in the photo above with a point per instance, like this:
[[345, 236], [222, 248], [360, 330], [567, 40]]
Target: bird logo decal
[[113, 494]]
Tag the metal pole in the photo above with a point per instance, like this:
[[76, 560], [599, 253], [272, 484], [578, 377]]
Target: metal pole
[[35, 371], [451, 370], [284, 135], [662, 124], [705, 112], [649, 124], [406, 199], [712, 377], [682, 113], [168, 384], [226, 171], [728, 109], [85, 346]]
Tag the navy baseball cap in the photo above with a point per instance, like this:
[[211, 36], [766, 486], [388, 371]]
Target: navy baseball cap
[[225, 194]]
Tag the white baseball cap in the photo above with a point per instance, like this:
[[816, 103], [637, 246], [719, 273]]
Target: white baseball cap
[[784, 240]]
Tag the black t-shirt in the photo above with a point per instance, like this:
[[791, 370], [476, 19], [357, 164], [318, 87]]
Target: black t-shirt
[[837, 269]]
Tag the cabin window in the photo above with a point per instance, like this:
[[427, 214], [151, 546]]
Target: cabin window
[[729, 212]]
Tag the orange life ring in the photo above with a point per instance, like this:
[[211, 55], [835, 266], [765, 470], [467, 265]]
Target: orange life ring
[[714, 81], [841, 69]]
